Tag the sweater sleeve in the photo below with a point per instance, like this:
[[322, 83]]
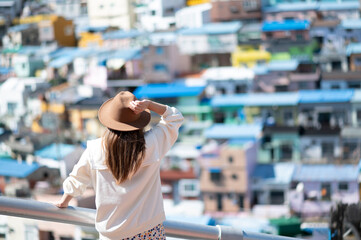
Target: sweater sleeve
[[166, 131], [80, 177]]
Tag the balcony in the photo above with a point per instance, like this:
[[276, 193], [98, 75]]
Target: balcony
[[85, 217]]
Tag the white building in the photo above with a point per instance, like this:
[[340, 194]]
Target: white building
[[194, 16], [17, 103], [228, 80], [114, 13], [210, 38], [157, 14], [70, 9]]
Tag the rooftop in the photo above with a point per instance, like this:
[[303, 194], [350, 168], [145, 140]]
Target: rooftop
[[227, 131], [323, 96], [162, 38], [287, 25], [326, 173], [165, 90], [283, 65], [294, 7], [353, 48], [278, 173], [213, 28], [228, 73], [351, 23], [312, 6], [12, 168], [55, 151], [119, 34], [256, 99], [21, 27]]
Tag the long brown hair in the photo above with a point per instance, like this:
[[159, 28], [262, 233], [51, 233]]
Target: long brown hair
[[124, 152]]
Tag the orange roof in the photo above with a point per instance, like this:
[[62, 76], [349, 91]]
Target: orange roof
[[177, 174]]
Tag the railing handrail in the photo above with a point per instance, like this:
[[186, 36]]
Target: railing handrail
[[28, 208]]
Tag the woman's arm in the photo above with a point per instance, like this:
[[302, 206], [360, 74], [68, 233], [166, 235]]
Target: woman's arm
[[139, 106], [64, 201]]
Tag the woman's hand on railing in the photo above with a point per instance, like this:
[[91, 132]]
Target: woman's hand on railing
[[64, 201]]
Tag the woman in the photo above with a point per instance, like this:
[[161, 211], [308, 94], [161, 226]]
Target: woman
[[123, 168]]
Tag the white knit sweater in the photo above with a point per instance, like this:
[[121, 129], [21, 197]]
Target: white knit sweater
[[135, 205]]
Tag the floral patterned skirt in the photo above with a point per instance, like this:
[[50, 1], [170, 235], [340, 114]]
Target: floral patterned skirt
[[156, 233]]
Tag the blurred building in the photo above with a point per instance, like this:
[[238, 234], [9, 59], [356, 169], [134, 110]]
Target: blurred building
[[156, 15], [193, 16], [225, 177], [315, 187], [230, 10], [111, 13], [162, 60], [210, 45]]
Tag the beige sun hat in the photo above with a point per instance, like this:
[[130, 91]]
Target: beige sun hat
[[116, 114]]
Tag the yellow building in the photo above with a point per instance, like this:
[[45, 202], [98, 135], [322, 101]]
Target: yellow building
[[88, 39], [33, 19], [249, 56], [196, 2], [52, 28], [57, 29]]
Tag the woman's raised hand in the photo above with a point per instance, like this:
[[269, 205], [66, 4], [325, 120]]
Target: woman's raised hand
[[139, 106]]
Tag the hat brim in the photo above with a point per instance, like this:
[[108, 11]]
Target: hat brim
[[107, 121]]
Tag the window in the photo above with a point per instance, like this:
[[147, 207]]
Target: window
[[299, 36], [288, 18], [288, 118], [241, 89], [219, 201], [269, 35], [230, 159], [354, 85], [11, 108], [83, 9], [68, 30], [249, 4], [326, 191], [277, 197], [169, 11], [343, 186], [159, 50], [350, 151], [234, 176], [327, 149], [241, 201], [357, 61], [189, 188], [27, 87], [281, 88], [358, 115], [215, 175], [160, 67], [336, 65], [302, 85], [234, 9], [286, 152], [219, 117], [152, 12]]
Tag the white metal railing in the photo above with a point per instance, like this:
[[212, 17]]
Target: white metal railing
[[27, 208]]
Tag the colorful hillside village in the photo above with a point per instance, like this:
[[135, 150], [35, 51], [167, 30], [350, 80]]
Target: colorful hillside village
[[270, 91]]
